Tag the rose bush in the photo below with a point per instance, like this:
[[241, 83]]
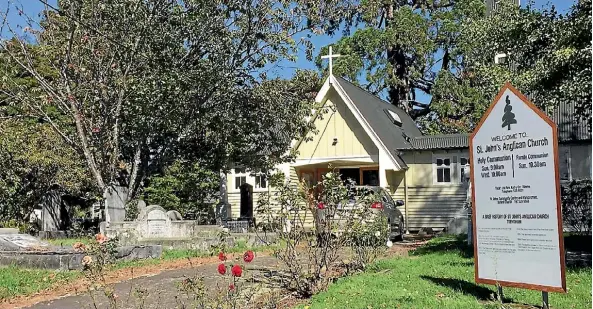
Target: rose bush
[[317, 223]]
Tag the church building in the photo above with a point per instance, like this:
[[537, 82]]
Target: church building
[[375, 143]]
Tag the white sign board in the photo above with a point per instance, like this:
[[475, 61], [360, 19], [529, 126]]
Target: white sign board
[[516, 196]]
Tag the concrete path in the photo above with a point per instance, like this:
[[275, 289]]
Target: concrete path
[[161, 290]]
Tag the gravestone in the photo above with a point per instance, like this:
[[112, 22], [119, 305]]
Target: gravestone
[[222, 208], [174, 215], [51, 212], [115, 204], [97, 211], [24, 250], [154, 223], [140, 206]]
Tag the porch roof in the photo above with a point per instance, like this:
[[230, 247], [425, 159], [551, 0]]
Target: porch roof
[[359, 160], [445, 141]]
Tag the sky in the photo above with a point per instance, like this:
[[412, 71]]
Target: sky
[[284, 69]]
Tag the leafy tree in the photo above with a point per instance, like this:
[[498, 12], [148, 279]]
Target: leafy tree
[[33, 161], [185, 187], [548, 58], [33, 158], [446, 49], [138, 84], [398, 46]]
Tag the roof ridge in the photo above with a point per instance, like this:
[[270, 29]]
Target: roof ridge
[[366, 91], [443, 135]]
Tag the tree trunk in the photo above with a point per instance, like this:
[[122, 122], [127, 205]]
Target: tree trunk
[[399, 94]]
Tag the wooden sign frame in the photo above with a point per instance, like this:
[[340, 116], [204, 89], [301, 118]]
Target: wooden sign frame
[[554, 127]]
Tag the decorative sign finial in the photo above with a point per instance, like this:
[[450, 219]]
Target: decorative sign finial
[[330, 56]]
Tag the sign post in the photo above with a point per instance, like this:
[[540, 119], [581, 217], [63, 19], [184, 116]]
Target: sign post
[[517, 218]]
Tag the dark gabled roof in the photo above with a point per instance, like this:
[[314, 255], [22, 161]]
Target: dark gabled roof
[[571, 128], [375, 112], [445, 141], [408, 136]]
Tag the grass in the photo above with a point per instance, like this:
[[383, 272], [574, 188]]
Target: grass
[[18, 281], [68, 242], [439, 275]]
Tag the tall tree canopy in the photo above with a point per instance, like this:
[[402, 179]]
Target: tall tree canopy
[[446, 49], [548, 57], [133, 85], [399, 46]]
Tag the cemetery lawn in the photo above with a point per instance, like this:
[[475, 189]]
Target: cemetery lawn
[[18, 281], [440, 275], [68, 242]]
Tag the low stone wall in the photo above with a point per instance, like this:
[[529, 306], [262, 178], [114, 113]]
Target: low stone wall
[[130, 232], [51, 259], [206, 243], [68, 260]]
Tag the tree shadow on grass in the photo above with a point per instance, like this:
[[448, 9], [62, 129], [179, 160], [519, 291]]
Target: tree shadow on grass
[[461, 263], [465, 287], [447, 244]]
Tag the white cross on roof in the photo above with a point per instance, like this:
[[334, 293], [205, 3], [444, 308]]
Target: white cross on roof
[[330, 56]]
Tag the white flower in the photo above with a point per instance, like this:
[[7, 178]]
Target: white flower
[[389, 244], [377, 234], [226, 229]]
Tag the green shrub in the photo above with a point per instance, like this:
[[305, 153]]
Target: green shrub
[[184, 187], [576, 206]]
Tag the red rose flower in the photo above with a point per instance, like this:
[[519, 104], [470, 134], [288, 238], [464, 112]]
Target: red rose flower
[[248, 256], [231, 287], [236, 271], [221, 269], [221, 256], [321, 205]]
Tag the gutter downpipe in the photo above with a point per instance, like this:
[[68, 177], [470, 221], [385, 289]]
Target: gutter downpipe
[[406, 199]]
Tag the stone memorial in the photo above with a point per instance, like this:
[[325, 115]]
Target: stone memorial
[[174, 215], [13, 241], [154, 223], [115, 204], [140, 205], [51, 212], [27, 251]]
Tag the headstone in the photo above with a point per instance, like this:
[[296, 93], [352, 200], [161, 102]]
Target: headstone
[[103, 227], [154, 223], [140, 206], [51, 211], [96, 211], [115, 204], [222, 207], [174, 215]]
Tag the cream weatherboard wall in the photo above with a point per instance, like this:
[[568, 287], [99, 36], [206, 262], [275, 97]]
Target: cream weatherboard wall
[[429, 203], [337, 123]]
